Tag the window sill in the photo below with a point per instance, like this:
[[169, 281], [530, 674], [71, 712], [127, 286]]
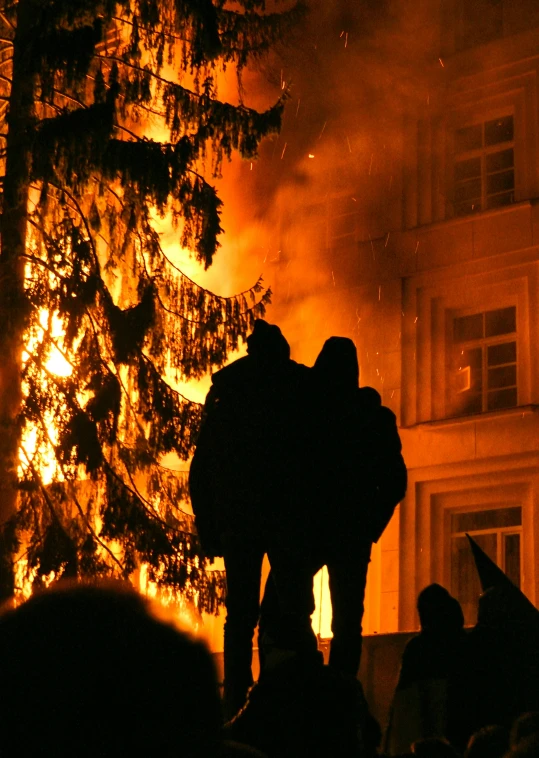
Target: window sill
[[472, 418], [460, 220]]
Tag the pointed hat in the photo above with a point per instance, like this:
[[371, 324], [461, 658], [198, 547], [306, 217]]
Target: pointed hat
[[491, 576]]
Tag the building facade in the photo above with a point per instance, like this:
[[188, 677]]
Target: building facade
[[427, 254]]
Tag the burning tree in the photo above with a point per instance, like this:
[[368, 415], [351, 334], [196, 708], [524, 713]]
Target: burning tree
[[83, 274]]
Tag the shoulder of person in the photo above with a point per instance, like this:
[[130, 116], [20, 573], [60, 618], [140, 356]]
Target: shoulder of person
[[237, 371], [369, 398]]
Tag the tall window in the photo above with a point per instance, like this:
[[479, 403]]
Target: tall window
[[484, 166], [498, 532], [483, 363]]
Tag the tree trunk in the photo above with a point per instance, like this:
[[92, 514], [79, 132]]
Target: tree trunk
[[13, 309]]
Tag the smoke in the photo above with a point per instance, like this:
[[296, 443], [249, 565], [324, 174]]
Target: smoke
[[333, 177]]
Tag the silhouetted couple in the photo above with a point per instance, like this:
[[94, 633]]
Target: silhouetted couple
[[304, 466]]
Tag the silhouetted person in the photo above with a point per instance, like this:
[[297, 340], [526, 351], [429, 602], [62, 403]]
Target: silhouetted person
[[242, 484], [526, 748], [503, 672], [89, 671], [524, 726], [300, 710], [488, 742], [428, 700], [359, 480]]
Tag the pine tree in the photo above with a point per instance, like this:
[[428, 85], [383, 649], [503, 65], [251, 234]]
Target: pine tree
[[83, 274]]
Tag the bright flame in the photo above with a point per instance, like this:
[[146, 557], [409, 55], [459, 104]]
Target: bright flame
[[321, 618]]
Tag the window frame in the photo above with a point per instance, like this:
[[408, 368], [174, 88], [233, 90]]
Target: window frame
[[482, 153], [488, 108], [483, 343], [501, 533], [486, 295]]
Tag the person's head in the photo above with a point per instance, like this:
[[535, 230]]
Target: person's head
[[267, 344], [438, 610], [488, 742], [524, 726], [337, 363], [90, 671], [528, 747]]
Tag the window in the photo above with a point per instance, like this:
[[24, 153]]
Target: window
[[484, 166], [483, 362], [498, 532]]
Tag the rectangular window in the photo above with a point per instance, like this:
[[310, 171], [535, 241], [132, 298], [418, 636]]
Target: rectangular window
[[483, 362], [498, 532], [484, 166]]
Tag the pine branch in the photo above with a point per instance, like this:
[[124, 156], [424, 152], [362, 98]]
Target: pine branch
[[148, 507], [7, 22]]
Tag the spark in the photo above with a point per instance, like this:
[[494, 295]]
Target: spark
[[284, 150], [392, 393], [297, 109], [379, 294], [349, 148], [311, 155], [415, 319], [387, 239], [322, 132], [370, 165], [251, 165], [333, 277], [416, 247], [346, 40], [354, 199], [441, 63], [372, 248]]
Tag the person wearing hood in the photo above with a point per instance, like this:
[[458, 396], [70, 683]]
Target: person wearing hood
[[242, 491], [359, 451]]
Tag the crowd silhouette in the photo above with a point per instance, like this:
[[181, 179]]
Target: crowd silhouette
[[305, 466]]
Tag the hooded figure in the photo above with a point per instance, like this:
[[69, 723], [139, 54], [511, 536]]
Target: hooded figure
[[242, 491], [428, 701], [364, 477]]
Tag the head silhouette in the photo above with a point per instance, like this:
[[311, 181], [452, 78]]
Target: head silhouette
[[337, 363], [267, 343], [90, 671], [488, 742], [438, 610]]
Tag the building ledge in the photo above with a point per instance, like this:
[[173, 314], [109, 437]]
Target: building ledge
[[473, 418]]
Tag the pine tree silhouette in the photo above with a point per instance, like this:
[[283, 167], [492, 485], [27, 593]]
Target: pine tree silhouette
[[81, 187]]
